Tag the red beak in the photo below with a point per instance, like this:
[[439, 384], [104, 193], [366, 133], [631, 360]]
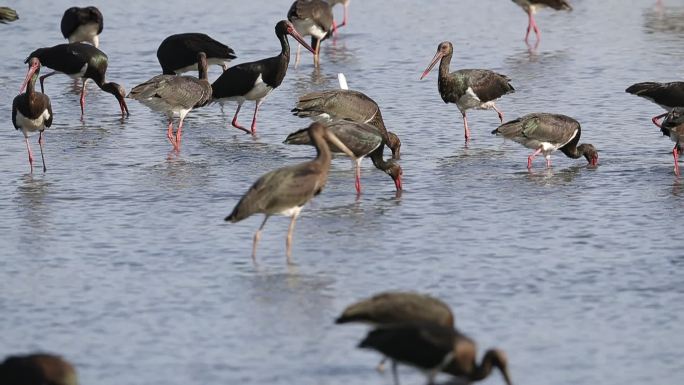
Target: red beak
[[293, 32], [435, 59], [32, 70], [397, 183]]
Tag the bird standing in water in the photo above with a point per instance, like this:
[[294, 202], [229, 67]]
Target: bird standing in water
[[468, 88], [286, 190], [32, 111]]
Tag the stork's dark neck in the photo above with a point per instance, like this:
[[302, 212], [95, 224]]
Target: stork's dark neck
[[444, 66], [284, 48], [323, 154], [31, 86], [570, 149], [378, 160], [485, 368]]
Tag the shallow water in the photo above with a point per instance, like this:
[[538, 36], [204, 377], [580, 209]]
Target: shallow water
[[119, 259]]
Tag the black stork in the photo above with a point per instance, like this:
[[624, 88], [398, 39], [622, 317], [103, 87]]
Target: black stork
[[82, 25], [311, 18], [673, 126], [37, 369], [178, 53], [32, 111], [432, 348], [7, 15], [363, 140], [666, 95], [286, 190], [343, 104], [80, 61], [255, 80], [396, 307], [468, 88], [530, 7], [545, 133], [175, 96]]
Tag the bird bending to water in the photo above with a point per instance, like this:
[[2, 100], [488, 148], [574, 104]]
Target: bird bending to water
[[7, 14], [311, 18], [546, 133], [328, 106], [37, 369], [433, 348], [666, 95], [468, 88], [176, 96], [80, 61], [32, 111], [363, 140], [255, 80], [398, 307], [530, 7], [82, 25], [673, 126], [390, 308], [286, 190], [178, 53]]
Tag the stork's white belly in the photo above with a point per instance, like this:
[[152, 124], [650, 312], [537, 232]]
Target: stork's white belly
[[469, 100], [29, 126], [307, 27]]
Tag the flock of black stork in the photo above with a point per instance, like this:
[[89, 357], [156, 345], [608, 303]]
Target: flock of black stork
[[409, 328]]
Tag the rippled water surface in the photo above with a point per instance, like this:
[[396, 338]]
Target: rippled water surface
[[119, 259]]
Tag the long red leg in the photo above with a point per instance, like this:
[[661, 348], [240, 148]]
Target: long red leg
[[656, 119], [254, 118], [169, 132], [548, 161], [465, 124], [235, 122], [357, 183], [40, 143], [536, 28], [531, 157], [675, 154], [179, 134], [529, 25], [30, 154]]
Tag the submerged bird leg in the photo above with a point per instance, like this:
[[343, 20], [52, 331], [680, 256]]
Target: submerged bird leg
[[42, 78], [235, 122], [334, 28], [395, 374], [548, 160], [501, 117], [465, 125], [30, 154], [40, 143], [675, 154], [531, 157], [357, 184], [381, 365], [254, 118], [83, 95], [288, 241], [656, 119], [257, 236]]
